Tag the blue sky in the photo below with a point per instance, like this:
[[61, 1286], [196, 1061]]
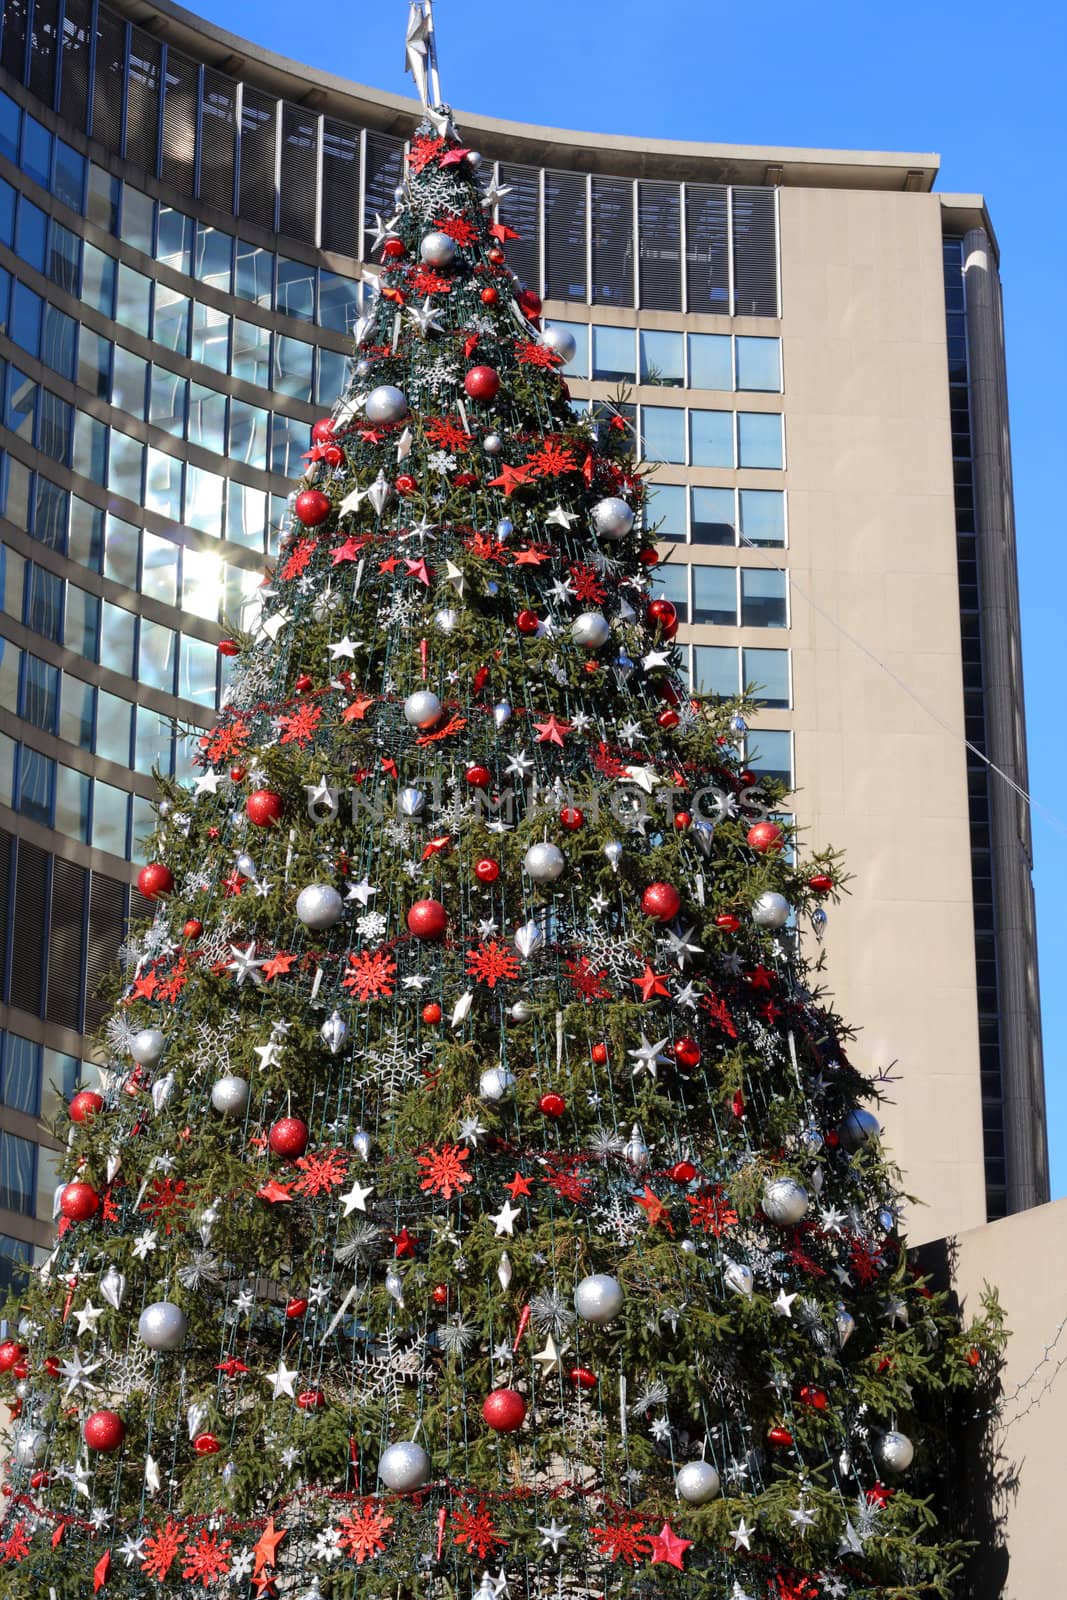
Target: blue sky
[[981, 84]]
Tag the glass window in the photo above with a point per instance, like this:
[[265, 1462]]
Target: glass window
[[30, 230], [72, 803], [248, 434], [8, 747], [60, 1077], [18, 1174], [110, 808], [769, 753], [203, 501], [174, 241], [138, 212], [133, 304], [662, 433], [24, 326], [713, 516], [202, 583], [12, 567], [103, 203], [159, 577], [159, 655], [768, 672], [671, 582], [81, 628], [124, 466], [207, 418], [94, 363], [116, 639], [171, 326], [76, 712], [154, 740], [50, 515], [251, 353], [339, 301], [21, 404], [40, 693], [759, 439], [715, 669], [68, 183], [5, 297], [36, 160], [10, 664], [763, 602], [255, 274], [16, 481], [662, 358], [709, 361], [163, 484], [199, 663], [288, 441], [122, 541], [296, 289], [113, 722], [55, 427], [86, 539], [22, 1074], [762, 516], [9, 128], [143, 823], [90, 447], [666, 506], [332, 376], [36, 781], [246, 511], [715, 596], [214, 257], [613, 354], [711, 438], [44, 602], [129, 379], [7, 212], [98, 280], [759, 363], [166, 401], [292, 367], [64, 257], [211, 337], [57, 343]]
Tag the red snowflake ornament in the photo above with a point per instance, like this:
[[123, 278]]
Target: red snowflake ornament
[[363, 1532], [490, 963], [445, 1172], [322, 1172], [207, 1560], [372, 974]]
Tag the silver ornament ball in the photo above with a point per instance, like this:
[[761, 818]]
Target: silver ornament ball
[[493, 443], [612, 518], [410, 802], [771, 910], [146, 1047], [860, 1127], [501, 713], [229, 1096], [162, 1326], [31, 1447], [495, 1084], [446, 620], [438, 249], [562, 341], [598, 1298], [591, 630], [474, 159], [387, 403], [738, 1278], [521, 1011], [697, 1482], [422, 709], [363, 367], [895, 1451], [785, 1201], [404, 1466], [23, 1389], [544, 862], [318, 906]]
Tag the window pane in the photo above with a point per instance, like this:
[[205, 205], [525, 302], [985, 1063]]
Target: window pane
[[331, 378], [36, 160], [759, 363], [72, 803], [122, 547], [81, 627], [30, 229], [768, 670], [662, 358], [22, 1074], [715, 669], [292, 367], [248, 434], [116, 639], [709, 361], [762, 598], [711, 438], [174, 242], [159, 577], [142, 824], [12, 567], [671, 582], [90, 446], [68, 183], [16, 481], [50, 515], [613, 354], [36, 776], [60, 1076], [759, 436], [769, 753], [166, 404], [137, 217], [7, 212], [76, 712], [171, 327], [103, 203], [288, 441], [246, 511], [110, 806], [18, 1174], [55, 427], [8, 748], [154, 738], [86, 540], [666, 505], [113, 722], [10, 662], [662, 433], [251, 353], [715, 595], [255, 272], [44, 602], [338, 301], [763, 516], [40, 693], [10, 117], [203, 501], [296, 289], [207, 418], [713, 516], [211, 337], [159, 654], [163, 484], [24, 325], [214, 257], [198, 670], [94, 363], [128, 378], [58, 341], [202, 583], [98, 280], [124, 463], [64, 257], [579, 331], [21, 404]]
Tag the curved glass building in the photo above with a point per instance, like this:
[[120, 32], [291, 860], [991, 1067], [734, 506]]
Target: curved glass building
[[812, 350]]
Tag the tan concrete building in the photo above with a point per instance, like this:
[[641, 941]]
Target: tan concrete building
[[812, 343]]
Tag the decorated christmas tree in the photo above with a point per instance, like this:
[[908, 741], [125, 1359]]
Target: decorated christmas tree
[[478, 1198]]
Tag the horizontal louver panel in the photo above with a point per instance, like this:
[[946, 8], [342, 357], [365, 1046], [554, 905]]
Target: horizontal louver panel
[[142, 105], [13, 46], [707, 252], [179, 122], [28, 924], [300, 138], [385, 168], [340, 187], [217, 138], [43, 50], [755, 253], [612, 228], [659, 225], [74, 63], [66, 944], [258, 141], [108, 80], [565, 239], [107, 900], [521, 210]]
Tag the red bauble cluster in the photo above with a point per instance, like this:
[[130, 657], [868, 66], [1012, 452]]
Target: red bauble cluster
[[312, 507], [662, 614], [264, 807], [10, 1354], [661, 901], [427, 919], [482, 383], [504, 1410], [289, 1137], [155, 880], [85, 1105], [79, 1201], [104, 1431], [764, 836]]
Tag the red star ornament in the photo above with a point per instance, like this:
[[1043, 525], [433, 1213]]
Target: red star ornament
[[358, 709], [100, 1571], [273, 1192], [418, 569], [551, 732], [265, 1549], [510, 479], [654, 1209], [518, 1185], [668, 1548], [651, 983], [347, 551]]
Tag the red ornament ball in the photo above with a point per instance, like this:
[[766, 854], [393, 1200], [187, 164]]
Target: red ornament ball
[[237, 774], [289, 1137], [687, 1052], [333, 455], [820, 882], [427, 919], [322, 431], [648, 556], [582, 1378], [79, 1201], [228, 647], [83, 1108], [155, 880], [432, 1013], [490, 295], [296, 1307], [764, 836], [405, 483], [478, 777], [727, 922], [264, 807], [527, 621], [104, 1431], [529, 301], [193, 928], [487, 870], [303, 683], [572, 818], [813, 1397], [496, 256], [439, 1294], [10, 1353], [393, 249], [206, 1444], [661, 901], [662, 614], [682, 821], [312, 507], [482, 383], [552, 1104], [668, 718], [780, 1436], [311, 1400], [599, 1054], [683, 1172], [504, 1410]]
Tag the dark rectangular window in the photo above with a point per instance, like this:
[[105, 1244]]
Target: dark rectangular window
[[37, 776], [40, 693], [259, 128], [27, 950], [44, 602], [565, 224], [66, 942], [68, 181], [55, 428], [36, 154], [659, 237], [18, 1174], [64, 257], [755, 253], [50, 515], [340, 187], [20, 1084], [763, 602], [707, 260], [57, 344]]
